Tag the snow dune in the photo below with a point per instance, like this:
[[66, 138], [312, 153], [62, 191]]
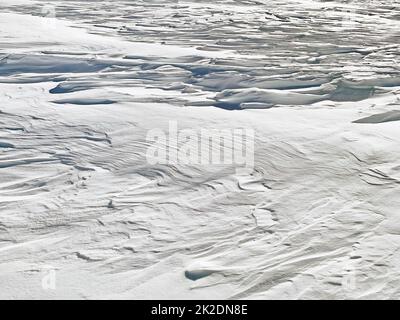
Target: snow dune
[[316, 218]]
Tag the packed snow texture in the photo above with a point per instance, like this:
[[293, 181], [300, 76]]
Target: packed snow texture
[[82, 82]]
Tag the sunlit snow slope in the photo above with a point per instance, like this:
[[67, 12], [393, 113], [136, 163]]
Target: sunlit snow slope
[[82, 82]]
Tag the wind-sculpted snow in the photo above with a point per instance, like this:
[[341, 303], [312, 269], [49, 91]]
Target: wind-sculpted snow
[[82, 83]]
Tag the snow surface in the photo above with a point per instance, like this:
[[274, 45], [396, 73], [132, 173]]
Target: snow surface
[[318, 218]]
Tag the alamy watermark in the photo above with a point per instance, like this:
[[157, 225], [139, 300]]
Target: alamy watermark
[[49, 279], [49, 13], [206, 147]]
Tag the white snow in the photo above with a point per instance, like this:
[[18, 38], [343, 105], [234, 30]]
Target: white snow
[[317, 218]]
